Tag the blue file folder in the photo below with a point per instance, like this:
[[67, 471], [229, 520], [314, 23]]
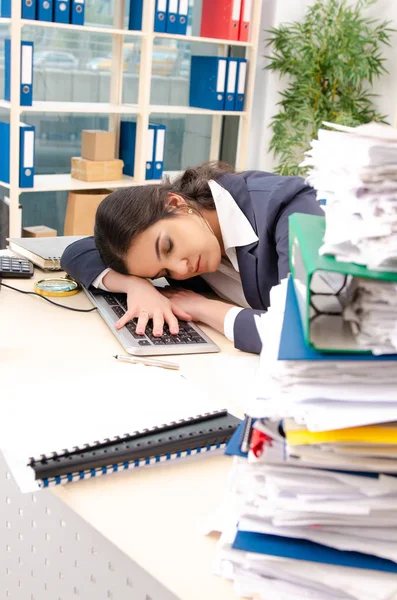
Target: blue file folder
[[155, 149], [160, 16], [26, 154], [44, 10], [77, 12], [26, 72], [135, 18], [136, 12], [207, 82], [28, 9], [5, 9], [172, 16], [301, 549], [240, 87], [62, 11], [292, 341], [183, 10], [158, 151], [231, 83], [127, 146]]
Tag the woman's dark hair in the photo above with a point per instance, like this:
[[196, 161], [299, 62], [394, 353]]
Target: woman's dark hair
[[127, 212]]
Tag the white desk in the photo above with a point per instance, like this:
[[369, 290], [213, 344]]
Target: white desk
[[153, 515]]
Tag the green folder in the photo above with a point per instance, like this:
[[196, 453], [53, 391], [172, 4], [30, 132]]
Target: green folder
[[324, 286]]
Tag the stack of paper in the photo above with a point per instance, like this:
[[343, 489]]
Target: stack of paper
[[355, 170], [312, 513]]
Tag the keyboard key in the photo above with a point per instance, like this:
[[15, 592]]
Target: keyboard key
[[144, 343], [158, 342], [110, 299], [118, 310]]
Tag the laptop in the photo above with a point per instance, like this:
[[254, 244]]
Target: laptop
[[190, 340]]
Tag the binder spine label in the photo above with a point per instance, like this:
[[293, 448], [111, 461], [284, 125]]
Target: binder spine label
[[220, 82], [247, 11], [28, 150], [236, 10], [241, 78]]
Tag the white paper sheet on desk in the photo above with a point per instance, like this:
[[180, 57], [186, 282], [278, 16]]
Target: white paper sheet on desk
[[60, 411]]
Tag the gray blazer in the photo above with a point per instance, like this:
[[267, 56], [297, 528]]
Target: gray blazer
[[267, 200]]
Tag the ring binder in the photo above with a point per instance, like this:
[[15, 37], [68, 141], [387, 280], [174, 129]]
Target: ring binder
[[157, 444]]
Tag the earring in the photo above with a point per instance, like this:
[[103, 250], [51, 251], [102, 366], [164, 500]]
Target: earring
[[190, 211]]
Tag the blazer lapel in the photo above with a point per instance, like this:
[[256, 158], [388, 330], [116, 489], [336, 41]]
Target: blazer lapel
[[248, 266], [246, 257]]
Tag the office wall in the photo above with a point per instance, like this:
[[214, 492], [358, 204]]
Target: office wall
[[268, 85]]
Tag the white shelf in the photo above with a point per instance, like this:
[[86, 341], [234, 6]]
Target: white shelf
[[128, 32], [82, 28], [204, 40], [64, 182], [192, 110], [80, 107], [5, 21], [122, 109]]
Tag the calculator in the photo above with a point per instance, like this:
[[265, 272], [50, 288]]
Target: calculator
[[13, 266]]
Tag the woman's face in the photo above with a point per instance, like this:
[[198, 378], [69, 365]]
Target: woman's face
[[179, 247]]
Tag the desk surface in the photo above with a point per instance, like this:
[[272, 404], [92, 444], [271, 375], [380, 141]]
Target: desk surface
[[154, 515]]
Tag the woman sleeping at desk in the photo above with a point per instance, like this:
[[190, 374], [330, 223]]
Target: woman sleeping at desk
[[211, 228]]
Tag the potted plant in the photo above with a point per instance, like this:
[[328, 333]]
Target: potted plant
[[331, 59]]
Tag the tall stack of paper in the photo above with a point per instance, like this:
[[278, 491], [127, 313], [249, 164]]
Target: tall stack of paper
[[355, 169], [312, 513]]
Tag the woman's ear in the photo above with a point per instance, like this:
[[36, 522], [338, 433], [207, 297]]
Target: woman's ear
[[176, 201]]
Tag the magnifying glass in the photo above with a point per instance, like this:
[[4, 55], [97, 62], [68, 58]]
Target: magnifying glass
[[56, 286]]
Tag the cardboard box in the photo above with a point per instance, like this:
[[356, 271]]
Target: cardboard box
[[98, 145], [38, 231], [96, 170], [81, 210]]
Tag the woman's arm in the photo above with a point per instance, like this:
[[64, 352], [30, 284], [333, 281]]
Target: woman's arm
[[81, 260], [215, 314]]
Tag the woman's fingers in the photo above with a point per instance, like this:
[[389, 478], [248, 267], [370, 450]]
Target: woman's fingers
[[172, 322], [128, 316], [182, 314], [143, 318], [158, 323]]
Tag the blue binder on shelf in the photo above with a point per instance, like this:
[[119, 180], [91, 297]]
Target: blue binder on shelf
[[62, 11], [240, 83], [77, 12], [172, 16], [301, 549], [5, 9], [151, 134], [292, 340], [28, 9], [26, 154], [183, 11], [155, 148], [45, 10], [158, 151], [160, 16], [231, 83], [26, 72], [135, 18], [207, 82], [127, 146]]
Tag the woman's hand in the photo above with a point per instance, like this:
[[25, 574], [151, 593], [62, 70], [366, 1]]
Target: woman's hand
[[188, 301], [208, 311], [145, 302]]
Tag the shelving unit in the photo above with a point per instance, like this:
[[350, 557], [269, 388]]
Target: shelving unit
[[115, 108]]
